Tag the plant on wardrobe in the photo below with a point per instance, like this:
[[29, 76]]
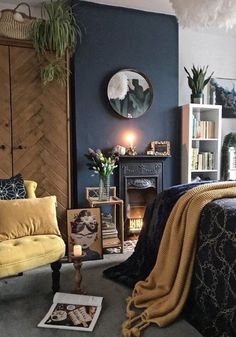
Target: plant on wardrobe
[[54, 35]]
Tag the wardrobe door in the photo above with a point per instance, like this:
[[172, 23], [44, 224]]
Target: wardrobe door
[[40, 130], [5, 115]]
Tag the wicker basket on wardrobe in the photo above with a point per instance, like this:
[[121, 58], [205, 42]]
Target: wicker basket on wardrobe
[[15, 24]]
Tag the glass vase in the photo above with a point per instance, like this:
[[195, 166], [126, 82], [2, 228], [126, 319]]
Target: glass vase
[[104, 188]]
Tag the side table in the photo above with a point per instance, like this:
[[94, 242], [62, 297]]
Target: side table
[[115, 202]]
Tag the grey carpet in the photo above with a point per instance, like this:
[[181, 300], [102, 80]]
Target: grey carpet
[[25, 300]]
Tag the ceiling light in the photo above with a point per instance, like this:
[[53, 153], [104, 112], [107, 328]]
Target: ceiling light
[[205, 13]]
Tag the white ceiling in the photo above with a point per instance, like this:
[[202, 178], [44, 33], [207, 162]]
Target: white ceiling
[[160, 6]]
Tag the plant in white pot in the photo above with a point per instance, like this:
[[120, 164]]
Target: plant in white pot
[[54, 35], [197, 82]]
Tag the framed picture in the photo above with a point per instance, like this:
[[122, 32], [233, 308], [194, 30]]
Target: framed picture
[[161, 148], [84, 228], [222, 91]]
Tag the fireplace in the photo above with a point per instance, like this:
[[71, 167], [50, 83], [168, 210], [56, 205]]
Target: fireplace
[[140, 180]]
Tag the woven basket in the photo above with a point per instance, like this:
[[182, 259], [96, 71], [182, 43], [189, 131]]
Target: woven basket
[[10, 27]]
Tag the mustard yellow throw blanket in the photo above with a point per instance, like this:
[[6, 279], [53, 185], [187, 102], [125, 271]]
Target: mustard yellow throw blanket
[[164, 292]]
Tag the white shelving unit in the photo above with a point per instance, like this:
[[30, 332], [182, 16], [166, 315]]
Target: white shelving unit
[[201, 142]]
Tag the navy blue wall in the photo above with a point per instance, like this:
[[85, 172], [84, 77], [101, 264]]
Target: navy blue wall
[[118, 38]]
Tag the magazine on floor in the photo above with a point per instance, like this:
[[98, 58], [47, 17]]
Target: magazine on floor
[[73, 312]]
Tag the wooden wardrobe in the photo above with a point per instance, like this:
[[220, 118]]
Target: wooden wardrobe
[[34, 126]]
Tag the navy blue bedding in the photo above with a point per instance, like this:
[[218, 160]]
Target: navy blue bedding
[[211, 306]]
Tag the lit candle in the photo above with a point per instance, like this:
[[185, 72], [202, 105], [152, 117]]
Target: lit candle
[[131, 140], [77, 250]]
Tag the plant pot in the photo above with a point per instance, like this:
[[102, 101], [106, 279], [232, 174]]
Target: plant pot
[[199, 99], [104, 188]]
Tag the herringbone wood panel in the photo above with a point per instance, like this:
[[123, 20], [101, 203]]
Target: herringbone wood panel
[[5, 115], [39, 121]]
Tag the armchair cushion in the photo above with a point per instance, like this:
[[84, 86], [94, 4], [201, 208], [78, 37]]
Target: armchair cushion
[[29, 252], [24, 217], [12, 188]]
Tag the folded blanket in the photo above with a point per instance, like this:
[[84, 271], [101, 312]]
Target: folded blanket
[[164, 292]]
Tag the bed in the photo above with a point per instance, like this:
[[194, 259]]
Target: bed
[[211, 304]]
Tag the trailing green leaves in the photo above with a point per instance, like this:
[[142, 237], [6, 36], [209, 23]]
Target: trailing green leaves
[[57, 32], [55, 70]]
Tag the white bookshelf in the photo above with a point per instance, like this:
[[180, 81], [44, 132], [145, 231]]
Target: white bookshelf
[[201, 142]]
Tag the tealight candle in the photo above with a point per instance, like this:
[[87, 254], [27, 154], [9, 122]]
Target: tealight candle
[[77, 250]]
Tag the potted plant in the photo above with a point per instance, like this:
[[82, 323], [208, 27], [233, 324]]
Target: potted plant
[[197, 82], [55, 32]]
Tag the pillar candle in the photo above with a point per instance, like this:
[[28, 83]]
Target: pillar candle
[[77, 250]]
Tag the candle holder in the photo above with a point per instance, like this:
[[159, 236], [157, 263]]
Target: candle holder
[[77, 262], [131, 151]]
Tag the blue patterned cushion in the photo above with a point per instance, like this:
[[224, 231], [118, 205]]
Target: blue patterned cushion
[[12, 188]]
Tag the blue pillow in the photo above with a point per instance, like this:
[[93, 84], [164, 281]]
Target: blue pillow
[[12, 188]]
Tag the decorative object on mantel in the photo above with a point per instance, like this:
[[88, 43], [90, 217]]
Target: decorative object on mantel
[[119, 150], [15, 24], [222, 92], [205, 13], [131, 151], [160, 148], [130, 93], [104, 166], [197, 82], [55, 32]]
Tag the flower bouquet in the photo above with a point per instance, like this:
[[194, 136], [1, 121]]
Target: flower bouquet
[[103, 166]]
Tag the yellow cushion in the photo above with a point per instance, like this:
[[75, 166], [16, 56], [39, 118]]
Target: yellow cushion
[[22, 217], [22, 254], [30, 187]]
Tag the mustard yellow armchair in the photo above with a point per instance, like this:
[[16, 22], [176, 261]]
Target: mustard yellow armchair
[[29, 236]]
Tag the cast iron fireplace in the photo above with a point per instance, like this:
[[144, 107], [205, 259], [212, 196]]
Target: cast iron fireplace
[[140, 180]]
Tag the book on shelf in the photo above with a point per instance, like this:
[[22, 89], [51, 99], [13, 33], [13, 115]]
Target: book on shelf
[[202, 160], [203, 129], [72, 312]]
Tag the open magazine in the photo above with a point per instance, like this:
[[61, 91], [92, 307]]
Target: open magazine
[[72, 312]]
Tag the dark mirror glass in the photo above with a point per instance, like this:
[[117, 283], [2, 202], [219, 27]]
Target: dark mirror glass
[[129, 93]]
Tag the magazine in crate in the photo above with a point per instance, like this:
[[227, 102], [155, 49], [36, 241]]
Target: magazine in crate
[[72, 312]]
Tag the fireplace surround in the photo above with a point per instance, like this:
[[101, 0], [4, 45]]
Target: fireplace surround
[[140, 180]]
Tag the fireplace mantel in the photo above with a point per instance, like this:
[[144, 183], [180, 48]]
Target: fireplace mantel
[[140, 180]]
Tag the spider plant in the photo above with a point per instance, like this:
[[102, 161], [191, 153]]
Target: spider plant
[[57, 32], [54, 70]]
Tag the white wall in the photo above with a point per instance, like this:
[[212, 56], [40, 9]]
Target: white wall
[[216, 49]]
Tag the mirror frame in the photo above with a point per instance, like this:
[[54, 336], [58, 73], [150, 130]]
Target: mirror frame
[[148, 82]]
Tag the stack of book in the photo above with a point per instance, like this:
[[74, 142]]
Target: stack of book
[[109, 232], [203, 129], [202, 160]]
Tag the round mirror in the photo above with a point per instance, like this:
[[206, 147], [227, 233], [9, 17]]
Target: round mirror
[[129, 93]]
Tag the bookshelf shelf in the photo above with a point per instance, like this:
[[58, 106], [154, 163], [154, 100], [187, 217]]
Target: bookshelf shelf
[[201, 142], [204, 139]]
